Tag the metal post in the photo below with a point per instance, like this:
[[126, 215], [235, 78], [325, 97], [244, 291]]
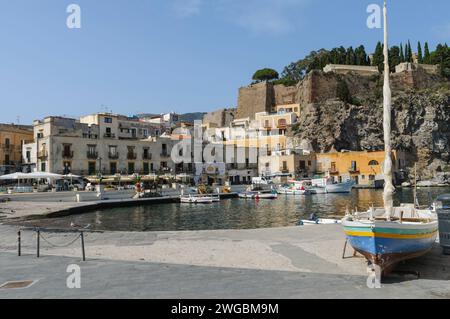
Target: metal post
[[38, 232], [82, 246], [19, 244]]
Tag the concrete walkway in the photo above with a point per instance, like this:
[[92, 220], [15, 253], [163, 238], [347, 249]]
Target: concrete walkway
[[294, 262]]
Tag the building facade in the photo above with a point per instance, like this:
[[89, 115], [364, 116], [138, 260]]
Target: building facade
[[365, 168], [103, 143], [12, 137]]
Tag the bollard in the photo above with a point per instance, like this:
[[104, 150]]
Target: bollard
[[82, 246], [19, 244], [38, 238]]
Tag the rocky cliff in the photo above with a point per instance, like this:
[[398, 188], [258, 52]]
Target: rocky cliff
[[345, 112]]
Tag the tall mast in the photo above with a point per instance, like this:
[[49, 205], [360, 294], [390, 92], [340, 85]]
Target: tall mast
[[389, 188]]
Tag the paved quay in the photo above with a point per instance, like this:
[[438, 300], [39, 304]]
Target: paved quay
[[292, 262]]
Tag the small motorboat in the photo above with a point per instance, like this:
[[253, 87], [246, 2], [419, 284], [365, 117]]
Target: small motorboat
[[320, 221], [258, 195], [199, 199], [294, 189]]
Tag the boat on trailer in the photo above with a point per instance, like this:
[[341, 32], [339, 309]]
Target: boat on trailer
[[391, 234]]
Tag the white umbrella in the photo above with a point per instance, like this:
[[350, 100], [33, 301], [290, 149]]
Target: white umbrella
[[37, 175], [15, 176]]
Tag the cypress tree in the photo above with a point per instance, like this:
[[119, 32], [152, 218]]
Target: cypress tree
[[410, 52], [427, 56], [419, 53], [402, 53], [378, 58]]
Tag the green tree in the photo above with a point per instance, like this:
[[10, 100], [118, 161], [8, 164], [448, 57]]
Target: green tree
[[351, 57], [410, 52], [402, 53], [378, 57], [361, 55], [265, 75], [394, 58], [419, 52], [427, 56]]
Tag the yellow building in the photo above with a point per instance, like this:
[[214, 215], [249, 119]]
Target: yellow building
[[289, 108], [365, 168], [12, 137]]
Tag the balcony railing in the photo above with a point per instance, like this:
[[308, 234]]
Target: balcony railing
[[334, 171], [109, 135], [67, 154], [113, 155], [42, 154], [92, 155], [131, 156], [353, 170], [165, 154], [147, 156]]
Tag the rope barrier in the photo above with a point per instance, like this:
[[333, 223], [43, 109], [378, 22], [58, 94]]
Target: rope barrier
[[60, 246]]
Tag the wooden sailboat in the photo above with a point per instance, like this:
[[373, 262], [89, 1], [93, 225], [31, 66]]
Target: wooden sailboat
[[392, 234]]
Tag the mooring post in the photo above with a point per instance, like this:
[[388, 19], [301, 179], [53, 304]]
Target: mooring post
[[19, 243], [38, 232], [82, 246]]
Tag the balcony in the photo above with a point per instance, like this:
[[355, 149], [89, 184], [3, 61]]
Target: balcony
[[113, 155], [42, 154], [146, 156], [165, 154], [109, 135], [92, 155], [353, 170], [131, 156], [67, 154], [7, 147], [333, 171]]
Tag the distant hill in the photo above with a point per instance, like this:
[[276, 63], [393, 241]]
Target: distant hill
[[191, 117], [187, 117]]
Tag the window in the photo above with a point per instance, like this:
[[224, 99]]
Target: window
[[91, 168], [7, 142], [6, 159], [309, 163], [353, 168], [43, 167], [146, 169], [333, 167], [113, 168], [108, 120], [28, 156], [131, 168], [285, 166], [302, 165], [374, 163]]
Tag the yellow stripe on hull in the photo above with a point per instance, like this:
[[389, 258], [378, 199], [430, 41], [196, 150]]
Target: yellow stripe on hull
[[393, 236]]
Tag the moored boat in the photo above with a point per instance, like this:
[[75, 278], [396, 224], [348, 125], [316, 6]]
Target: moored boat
[[258, 195], [199, 199]]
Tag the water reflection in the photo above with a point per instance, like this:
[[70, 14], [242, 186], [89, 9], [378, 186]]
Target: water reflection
[[236, 213]]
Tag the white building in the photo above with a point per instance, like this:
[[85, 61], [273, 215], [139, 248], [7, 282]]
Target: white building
[[100, 143]]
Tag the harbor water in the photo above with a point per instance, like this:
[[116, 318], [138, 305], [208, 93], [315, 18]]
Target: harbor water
[[235, 213]]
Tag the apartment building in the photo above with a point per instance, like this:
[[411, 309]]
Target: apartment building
[[12, 137], [365, 168], [299, 164], [99, 143]]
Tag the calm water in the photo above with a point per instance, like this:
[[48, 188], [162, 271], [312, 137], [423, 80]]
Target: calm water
[[234, 213]]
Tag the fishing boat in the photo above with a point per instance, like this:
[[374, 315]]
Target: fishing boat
[[294, 188], [391, 234], [326, 185]]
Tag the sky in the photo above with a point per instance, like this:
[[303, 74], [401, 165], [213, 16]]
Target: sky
[[155, 56]]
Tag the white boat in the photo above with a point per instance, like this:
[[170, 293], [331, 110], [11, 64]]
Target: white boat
[[295, 188], [199, 199], [258, 195], [327, 186]]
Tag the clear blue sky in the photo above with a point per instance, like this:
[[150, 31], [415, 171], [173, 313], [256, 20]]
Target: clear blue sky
[[175, 55]]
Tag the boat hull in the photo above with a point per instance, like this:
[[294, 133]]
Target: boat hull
[[387, 243], [340, 188]]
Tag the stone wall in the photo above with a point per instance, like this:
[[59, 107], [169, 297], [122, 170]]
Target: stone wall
[[220, 118], [254, 99]]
